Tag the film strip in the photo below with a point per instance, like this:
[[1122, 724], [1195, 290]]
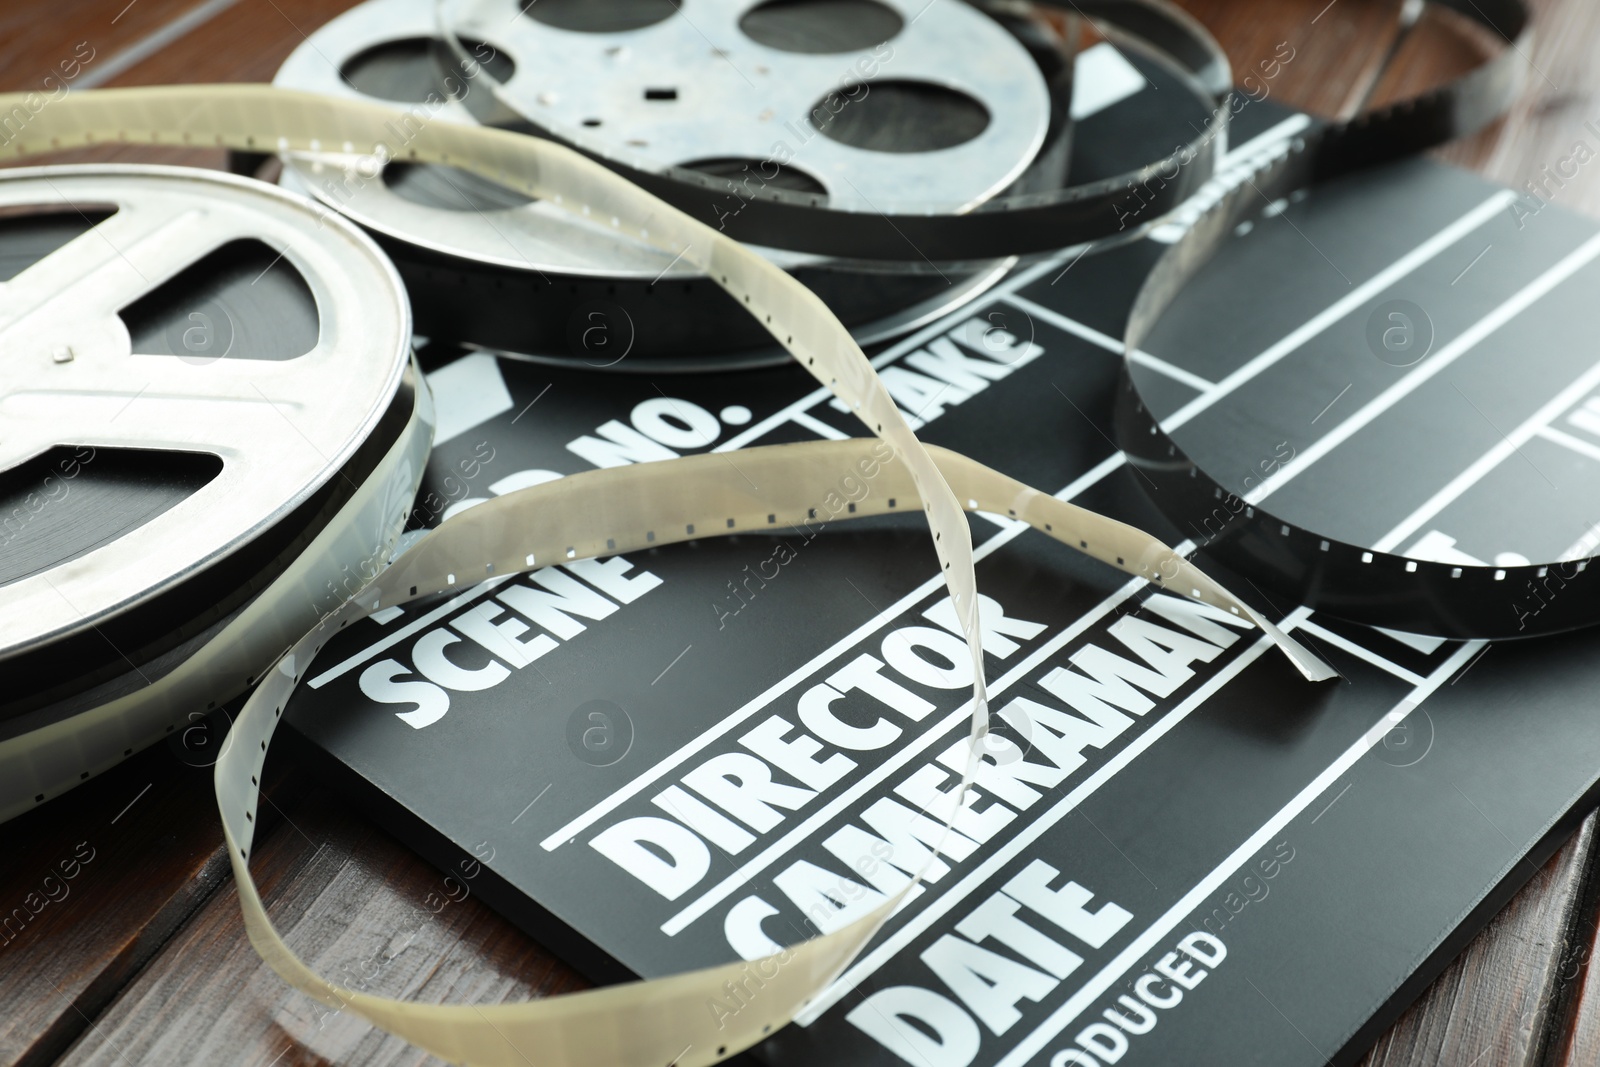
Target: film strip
[[1444, 593], [621, 509]]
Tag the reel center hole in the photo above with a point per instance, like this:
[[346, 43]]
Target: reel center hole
[[29, 233], [598, 16], [820, 27], [414, 69], [899, 116]]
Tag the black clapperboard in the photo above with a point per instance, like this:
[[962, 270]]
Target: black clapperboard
[[715, 748]]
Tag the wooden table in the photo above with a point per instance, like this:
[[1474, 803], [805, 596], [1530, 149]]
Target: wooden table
[[141, 958]]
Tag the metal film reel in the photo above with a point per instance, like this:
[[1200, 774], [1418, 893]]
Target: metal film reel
[[763, 196], [731, 80], [488, 266], [212, 428]]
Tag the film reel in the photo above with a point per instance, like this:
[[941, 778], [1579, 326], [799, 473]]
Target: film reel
[[1036, 211], [488, 266], [1403, 572], [722, 84], [213, 434]]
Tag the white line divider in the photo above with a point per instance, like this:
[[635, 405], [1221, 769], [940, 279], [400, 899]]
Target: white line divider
[[1352, 300], [1152, 936], [1361, 652], [1109, 343], [1561, 437], [1425, 371], [941, 905], [1536, 424]]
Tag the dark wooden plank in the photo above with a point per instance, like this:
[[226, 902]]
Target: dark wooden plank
[[1579, 1044], [361, 909], [1502, 1000], [244, 43], [1561, 95], [1339, 47], [1338, 57], [35, 39], [91, 886]]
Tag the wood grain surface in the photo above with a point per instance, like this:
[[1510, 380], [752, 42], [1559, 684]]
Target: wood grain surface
[[1505, 1000], [140, 957]]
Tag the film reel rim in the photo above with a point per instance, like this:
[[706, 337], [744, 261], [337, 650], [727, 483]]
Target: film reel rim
[[1019, 224], [83, 691], [900, 323], [51, 755], [356, 247]]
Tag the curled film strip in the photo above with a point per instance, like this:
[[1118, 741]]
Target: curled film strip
[[1444, 593], [600, 513]]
